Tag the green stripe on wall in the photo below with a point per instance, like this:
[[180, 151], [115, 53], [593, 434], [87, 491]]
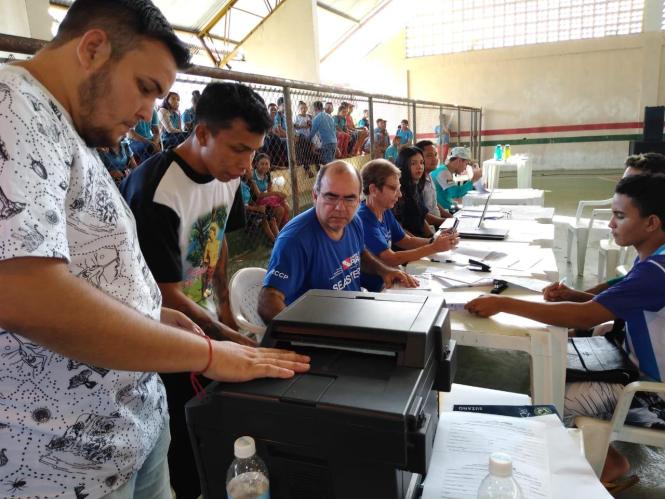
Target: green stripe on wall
[[564, 140]]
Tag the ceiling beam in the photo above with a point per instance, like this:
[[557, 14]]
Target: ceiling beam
[[353, 30], [230, 55], [217, 16], [339, 13]]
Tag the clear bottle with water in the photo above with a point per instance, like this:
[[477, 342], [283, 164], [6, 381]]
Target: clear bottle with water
[[247, 477], [499, 483]]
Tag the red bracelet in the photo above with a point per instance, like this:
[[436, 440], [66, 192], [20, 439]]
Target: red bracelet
[[196, 384]]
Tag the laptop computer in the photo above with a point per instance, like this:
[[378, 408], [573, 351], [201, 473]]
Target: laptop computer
[[481, 232]]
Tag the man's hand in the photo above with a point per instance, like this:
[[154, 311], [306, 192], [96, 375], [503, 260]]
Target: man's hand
[[233, 362], [394, 276], [485, 306], [177, 319], [560, 292]]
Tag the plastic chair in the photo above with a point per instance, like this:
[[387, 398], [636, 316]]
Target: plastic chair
[[582, 228], [598, 433], [627, 256], [244, 289], [608, 258]]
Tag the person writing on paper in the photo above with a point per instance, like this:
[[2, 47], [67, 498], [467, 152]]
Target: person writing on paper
[[447, 190], [381, 188], [638, 220], [324, 247]]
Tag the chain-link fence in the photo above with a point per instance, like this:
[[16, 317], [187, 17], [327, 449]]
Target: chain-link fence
[[290, 157]]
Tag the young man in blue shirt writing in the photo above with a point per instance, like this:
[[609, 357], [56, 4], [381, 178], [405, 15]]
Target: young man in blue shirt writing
[[323, 248], [639, 299]]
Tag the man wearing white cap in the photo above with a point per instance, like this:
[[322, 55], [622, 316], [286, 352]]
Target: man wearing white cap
[[446, 188]]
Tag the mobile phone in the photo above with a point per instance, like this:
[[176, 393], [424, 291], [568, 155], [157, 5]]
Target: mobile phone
[[449, 224]]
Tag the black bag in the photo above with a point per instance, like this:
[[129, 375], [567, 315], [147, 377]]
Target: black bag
[[596, 358]]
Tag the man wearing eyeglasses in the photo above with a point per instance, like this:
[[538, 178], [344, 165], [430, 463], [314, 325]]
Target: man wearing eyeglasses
[[323, 248]]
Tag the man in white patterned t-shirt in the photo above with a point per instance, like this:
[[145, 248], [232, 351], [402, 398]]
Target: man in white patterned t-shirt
[[82, 413]]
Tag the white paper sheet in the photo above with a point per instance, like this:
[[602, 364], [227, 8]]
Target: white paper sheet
[[464, 443], [529, 283]]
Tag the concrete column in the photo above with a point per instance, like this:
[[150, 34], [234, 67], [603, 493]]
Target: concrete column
[[651, 53]]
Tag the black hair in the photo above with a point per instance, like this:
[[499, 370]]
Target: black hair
[[422, 144], [280, 101], [125, 23], [646, 193], [650, 162], [223, 102], [318, 105], [402, 162]]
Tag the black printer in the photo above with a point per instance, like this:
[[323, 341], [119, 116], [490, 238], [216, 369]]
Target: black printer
[[360, 424]]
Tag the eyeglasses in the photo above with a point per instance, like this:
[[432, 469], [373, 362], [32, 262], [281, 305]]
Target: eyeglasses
[[334, 199]]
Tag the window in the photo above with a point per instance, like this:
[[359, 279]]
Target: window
[[448, 26]]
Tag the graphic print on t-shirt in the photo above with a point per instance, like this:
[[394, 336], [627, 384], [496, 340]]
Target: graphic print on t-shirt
[[349, 266], [203, 251]]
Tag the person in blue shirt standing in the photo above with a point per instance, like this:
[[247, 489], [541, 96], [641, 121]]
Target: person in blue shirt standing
[[323, 248], [382, 230], [323, 125], [404, 133], [638, 220]]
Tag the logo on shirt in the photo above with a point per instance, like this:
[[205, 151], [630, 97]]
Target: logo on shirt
[[351, 264], [279, 274]]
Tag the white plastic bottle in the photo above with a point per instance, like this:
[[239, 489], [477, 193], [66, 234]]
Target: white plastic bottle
[[247, 477], [500, 484]]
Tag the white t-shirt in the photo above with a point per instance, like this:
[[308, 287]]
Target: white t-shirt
[[68, 429]]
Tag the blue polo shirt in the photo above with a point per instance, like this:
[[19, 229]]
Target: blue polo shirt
[[280, 120], [639, 299], [379, 236], [305, 258]]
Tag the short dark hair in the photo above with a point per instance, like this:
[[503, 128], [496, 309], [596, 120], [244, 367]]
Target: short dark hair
[[646, 193], [223, 102], [125, 22], [650, 162], [376, 172], [280, 101], [422, 144], [318, 105]]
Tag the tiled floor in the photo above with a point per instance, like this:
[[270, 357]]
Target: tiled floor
[[509, 370]]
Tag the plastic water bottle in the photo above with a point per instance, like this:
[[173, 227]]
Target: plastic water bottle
[[498, 152], [500, 484], [506, 152], [247, 477]]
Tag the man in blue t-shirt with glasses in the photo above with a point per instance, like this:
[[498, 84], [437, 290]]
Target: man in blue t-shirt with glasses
[[323, 248]]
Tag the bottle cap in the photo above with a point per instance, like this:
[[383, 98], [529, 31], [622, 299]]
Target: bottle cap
[[244, 447], [501, 464]]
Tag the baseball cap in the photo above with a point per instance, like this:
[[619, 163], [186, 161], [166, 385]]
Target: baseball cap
[[459, 152]]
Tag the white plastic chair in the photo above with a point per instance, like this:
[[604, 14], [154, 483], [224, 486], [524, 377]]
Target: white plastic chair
[[627, 256], [244, 289], [598, 433], [608, 259], [581, 229]]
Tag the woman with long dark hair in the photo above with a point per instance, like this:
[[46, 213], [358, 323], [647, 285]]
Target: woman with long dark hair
[[410, 210]]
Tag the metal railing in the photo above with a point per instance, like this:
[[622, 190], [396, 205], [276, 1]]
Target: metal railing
[[293, 155]]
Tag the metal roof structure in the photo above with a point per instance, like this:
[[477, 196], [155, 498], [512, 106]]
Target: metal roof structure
[[217, 29]]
